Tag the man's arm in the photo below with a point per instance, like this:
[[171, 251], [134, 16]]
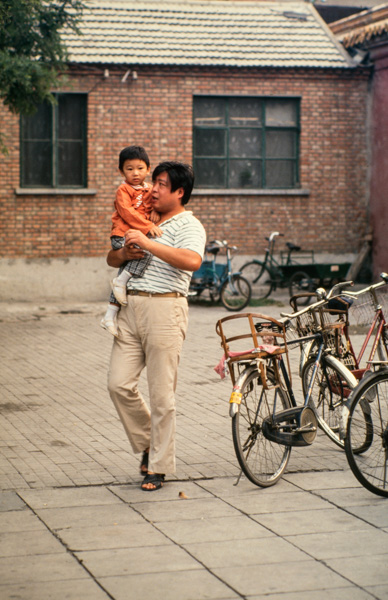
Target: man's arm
[[116, 258], [180, 258]]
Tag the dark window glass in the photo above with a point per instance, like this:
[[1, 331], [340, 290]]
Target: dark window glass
[[53, 144], [255, 142]]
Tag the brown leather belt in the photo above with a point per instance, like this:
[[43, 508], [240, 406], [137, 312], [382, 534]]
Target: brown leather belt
[[155, 294]]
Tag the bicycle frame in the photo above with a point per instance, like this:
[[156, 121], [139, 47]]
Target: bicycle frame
[[378, 321]]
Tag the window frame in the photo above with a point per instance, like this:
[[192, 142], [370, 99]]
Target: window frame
[[263, 128], [54, 146]]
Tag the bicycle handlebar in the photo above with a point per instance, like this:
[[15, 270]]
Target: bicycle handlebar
[[273, 235]]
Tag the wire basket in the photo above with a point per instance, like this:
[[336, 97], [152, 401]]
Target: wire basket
[[363, 309], [320, 319]]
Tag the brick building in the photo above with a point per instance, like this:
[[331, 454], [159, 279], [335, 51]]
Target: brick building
[[365, 35], [259, 96]]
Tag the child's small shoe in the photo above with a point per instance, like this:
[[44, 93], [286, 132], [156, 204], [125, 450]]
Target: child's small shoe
[[109, 325], [120, 291]]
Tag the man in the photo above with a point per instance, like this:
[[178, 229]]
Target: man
[[152, 325]]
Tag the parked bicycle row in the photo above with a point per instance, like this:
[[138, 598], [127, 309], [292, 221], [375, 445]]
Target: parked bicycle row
[[294, 269], [345, 392]]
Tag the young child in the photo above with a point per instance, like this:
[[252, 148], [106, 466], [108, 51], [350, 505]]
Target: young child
[[133, 211]]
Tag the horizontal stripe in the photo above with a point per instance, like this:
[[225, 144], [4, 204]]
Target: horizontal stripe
[[182, 231]]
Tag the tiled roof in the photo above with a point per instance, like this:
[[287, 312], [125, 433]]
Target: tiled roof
[[363, 27], [199, 33]]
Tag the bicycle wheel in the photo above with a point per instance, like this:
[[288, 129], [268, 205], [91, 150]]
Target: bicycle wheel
[[331, 388], [300, 283], [259, 277], [262, 461], [370, 467], [235, 293]]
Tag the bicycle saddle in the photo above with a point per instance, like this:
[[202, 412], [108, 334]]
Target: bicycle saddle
[[292, 246], [213, 247]]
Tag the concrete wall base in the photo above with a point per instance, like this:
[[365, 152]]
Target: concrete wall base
[[68, 279], [77, 279]]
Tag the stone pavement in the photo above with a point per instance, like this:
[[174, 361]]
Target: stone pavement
[[74, 523]]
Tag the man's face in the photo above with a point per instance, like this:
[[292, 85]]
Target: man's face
[[163, 199]]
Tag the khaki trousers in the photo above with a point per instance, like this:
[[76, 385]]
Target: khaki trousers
[[151, 330]]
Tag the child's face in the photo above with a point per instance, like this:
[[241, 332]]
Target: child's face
[[135, 171]]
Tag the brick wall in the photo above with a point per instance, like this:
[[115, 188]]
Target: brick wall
[[156, 111]]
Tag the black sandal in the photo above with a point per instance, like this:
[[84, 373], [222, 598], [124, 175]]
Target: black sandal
[[156, 479], [144, 463]]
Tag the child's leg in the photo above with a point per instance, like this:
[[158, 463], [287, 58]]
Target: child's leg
[[109, 320]]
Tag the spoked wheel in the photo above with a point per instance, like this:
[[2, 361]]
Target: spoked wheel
[[332, 386], [236, 293], [259, 277], [370, 467], [301, 283], [261, 460]]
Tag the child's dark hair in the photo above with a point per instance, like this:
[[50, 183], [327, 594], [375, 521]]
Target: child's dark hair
[[131, 152], [181, 176]]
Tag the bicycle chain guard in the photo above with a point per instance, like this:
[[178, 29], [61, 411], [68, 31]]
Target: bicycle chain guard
[[295, 426]]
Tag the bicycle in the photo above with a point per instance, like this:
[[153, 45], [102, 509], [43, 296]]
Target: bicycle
[[262, 434], [329, 321], [219, 280], [265, 276], [370, 396], [367, 307]]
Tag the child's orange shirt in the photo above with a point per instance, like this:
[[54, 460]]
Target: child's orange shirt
[[133, 207]]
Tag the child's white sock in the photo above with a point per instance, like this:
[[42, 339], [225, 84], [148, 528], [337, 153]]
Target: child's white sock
[[124, 277], [112, 311]]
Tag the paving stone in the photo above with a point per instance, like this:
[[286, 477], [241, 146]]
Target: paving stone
[[281, 578], [116, 536], [178, 510], [134, 561], [77, 517], [181, 585], [365, 571], [170, 491], [268, 503], [41, 567], [10, 501], [243, 553], [309, 521], [67, 497], [349, 593], [214, 529], [20, 520], [323, 546], [76, 589], [28, 543]]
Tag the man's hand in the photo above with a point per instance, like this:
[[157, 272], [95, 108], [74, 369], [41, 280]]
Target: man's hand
[[116, 258], [138, 238], [181, 258]]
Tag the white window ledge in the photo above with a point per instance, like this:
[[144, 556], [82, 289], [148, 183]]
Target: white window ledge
[[55, 191], [250, 192]]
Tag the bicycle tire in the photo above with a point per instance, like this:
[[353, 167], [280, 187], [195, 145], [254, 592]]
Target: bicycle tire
[[371, 467], [235, 294], [301, 283], [331, 388], [262, 461], [259, 277]]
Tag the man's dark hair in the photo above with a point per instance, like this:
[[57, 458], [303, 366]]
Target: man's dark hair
[[131, 152], [180, 174]]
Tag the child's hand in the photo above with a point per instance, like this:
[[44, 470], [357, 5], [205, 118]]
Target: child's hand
[[154, 216], [155, 231]]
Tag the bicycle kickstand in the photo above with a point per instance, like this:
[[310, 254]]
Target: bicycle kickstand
[[238, 478]]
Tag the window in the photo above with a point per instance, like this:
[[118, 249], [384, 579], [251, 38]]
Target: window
[[53, 144], [246, 142]]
